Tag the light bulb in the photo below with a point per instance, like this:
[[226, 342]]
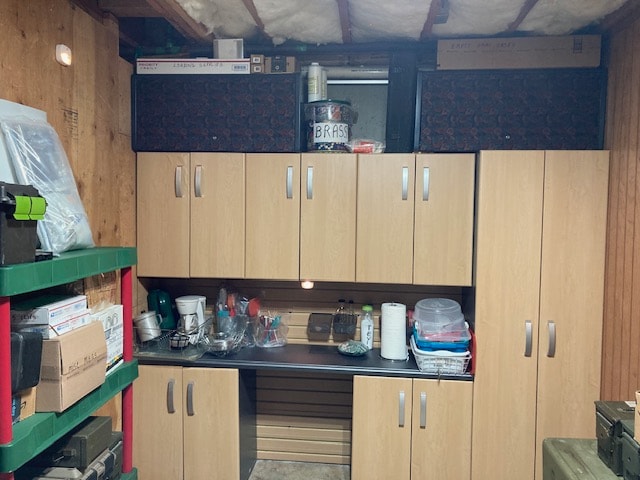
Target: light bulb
[[306, 284], [63, 55]]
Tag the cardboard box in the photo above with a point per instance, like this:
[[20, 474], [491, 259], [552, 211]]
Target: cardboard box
[[63, 325], [72, 366], [46, 310], [228, 48], [519, 52], [23, 404], [153, 66], [113, 324]]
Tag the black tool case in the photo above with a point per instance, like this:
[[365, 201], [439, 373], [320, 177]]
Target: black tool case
[[26, 357], [609, 428], [573, 459]]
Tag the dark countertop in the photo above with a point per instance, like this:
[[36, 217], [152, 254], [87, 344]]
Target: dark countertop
[[302, 358]]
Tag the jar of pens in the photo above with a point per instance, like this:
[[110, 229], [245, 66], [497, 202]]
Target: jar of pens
[[270, 329]]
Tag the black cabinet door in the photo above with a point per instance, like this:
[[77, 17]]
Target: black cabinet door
[[216, 113]]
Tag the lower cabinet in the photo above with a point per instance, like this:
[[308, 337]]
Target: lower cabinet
[[411, 429], [186, 423]]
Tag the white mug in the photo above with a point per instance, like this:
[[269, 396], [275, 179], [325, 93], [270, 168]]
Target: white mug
[[148, 325]]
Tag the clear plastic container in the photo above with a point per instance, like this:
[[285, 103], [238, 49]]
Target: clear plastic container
[[436, 315]]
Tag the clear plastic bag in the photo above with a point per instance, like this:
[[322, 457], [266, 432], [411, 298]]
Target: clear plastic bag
[[39, 160]]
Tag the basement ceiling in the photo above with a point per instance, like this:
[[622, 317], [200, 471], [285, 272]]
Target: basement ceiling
[[188, 27]]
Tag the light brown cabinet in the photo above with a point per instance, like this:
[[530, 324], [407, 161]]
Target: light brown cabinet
[[411, 429], [539, 302], [186, 423], [190, 214], [415, 218]]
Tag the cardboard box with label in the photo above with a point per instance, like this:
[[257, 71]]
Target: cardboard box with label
[[73, 365], [23, 404], [113, 324], [50, 315]]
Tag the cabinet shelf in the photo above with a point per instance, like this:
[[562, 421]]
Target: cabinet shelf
[[33, 435], [67, 268]]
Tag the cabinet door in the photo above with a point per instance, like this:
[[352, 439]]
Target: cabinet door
[[384, 246], [571, 296], [272, 216], [328, 217], [507, 279], [211, 424], [157, 422], [381, 428], [217, 215], [163, 214], [441, 430], [443, 230]]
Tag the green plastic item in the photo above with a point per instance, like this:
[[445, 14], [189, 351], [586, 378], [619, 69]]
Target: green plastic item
[[38, 207], [23, 207]]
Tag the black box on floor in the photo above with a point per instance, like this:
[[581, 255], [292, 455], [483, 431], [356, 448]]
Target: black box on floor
[[573, 459], [21, 206], [630, 454], [609, 428]]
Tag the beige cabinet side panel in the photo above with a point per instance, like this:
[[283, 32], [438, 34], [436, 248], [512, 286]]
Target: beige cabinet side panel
[[443, 230], [211, 424], [441, 444], [571, 299], [381, 431], [328, 217], [508, 243], [163, 214], [384, 244], [157, 433], [272, 216], [217, 215]]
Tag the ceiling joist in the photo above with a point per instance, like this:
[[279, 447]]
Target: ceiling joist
[[345, 20], [180, 20], [524, 11], [434, 11], [253, 11]]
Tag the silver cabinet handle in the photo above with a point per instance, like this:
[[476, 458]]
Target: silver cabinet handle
[[401, 408], [423, 409], [290, 182], [528, 338], [197, 184], [170, 406], [425, 184], [178, 181], [551, 352], [309, 183], [190, 411], [405, 183]]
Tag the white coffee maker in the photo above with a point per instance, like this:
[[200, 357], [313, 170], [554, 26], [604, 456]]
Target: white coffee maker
[[191, 322]]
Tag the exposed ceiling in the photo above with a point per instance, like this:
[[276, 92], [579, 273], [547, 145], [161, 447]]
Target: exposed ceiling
[[188, 27]]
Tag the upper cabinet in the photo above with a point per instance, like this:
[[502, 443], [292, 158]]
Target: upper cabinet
[[327, 217], [272, 216], [333, 217], [190, 217]]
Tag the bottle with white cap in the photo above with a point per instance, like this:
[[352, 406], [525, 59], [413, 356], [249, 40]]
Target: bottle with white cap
[[366, 327], [314, 82]]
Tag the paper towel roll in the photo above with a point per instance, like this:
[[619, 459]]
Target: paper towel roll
[[393, 333]]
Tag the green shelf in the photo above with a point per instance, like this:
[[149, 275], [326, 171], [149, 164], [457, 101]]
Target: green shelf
[[67, 268], [34, 434]]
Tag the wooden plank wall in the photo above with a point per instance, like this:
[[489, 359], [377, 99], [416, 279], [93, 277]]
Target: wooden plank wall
[[621, 333]]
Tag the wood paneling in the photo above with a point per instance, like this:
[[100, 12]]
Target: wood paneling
[[621, 333]]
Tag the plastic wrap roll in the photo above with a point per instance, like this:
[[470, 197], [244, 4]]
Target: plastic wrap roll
[[393, 336]]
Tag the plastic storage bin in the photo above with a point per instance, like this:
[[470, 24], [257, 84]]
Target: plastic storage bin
[[437, 315], [451, 341]]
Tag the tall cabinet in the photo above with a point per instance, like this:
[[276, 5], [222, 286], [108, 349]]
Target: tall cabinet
[[21, 442], [539, 275]]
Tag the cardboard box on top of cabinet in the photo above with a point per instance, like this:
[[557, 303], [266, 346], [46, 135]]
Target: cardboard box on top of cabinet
[[519, 52], [636, 422], [73, 365]]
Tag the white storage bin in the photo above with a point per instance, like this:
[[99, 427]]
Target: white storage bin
[[436, 315]]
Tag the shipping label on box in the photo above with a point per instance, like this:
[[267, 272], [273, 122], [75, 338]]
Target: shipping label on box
[[192, 66], [113, 323], [23, 404], [47, 310], [72, 365], [520, 52]]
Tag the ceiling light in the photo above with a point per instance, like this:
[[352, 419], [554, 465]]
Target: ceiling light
[[306, 284], [63, 55]]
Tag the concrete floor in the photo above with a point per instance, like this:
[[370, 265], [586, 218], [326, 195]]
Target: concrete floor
[[278, 470]]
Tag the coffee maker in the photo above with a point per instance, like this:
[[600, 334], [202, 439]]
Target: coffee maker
[[191, 322]]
